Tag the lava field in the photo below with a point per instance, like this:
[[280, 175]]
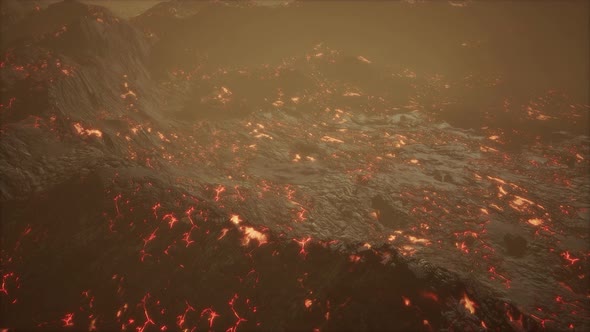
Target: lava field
[[295, 166]]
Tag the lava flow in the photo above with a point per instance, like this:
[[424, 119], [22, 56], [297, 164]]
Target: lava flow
[[218, 165]]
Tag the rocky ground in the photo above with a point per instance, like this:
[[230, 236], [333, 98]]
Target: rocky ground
[[174, 171]]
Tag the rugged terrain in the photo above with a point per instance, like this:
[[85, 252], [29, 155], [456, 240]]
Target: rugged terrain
[[308, 166]]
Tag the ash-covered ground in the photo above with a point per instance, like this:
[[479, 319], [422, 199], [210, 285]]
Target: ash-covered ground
[[295, 166]]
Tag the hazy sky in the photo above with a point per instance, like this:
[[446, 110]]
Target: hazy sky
[[130, 8]]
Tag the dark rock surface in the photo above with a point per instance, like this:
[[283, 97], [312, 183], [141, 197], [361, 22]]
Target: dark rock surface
[[174, 171]]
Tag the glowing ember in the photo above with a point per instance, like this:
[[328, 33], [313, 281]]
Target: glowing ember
[[429, 295], [212, 315], [495, 274], [520, 201], [154, 209], [535, 221], [354, 258], [127, 94], [363, 59], [261, 135], [148, 319], [163, 137], [235, 219], [188, 213], [302, 244], [239, 319], [414, 239], [331, 139], [68, 320], [218, 191], [301, 215], [171, 219], [186, 238], [251, 234], [568, 257], [487, 149], [4, 278], [223, 233], [149, 238], [462, 246], [67, 72], [468, 304], [86, 132], [496, 180], [180, 319], [406, 301]]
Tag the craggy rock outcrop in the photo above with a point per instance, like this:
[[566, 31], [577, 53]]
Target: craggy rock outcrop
[[67, 70]]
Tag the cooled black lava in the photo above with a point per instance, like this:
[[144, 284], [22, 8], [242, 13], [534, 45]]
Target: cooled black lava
[[307, 166]]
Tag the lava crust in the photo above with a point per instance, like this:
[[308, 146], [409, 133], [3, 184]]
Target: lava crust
[[224, 166]]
